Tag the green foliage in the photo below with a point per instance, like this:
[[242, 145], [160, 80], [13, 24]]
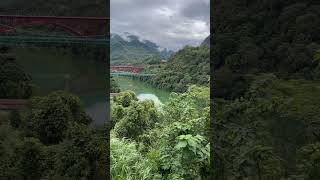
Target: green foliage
[[21, 158], [15, 119], [172, 140], [308, 161], [191, 65], [14, 82], [264, 37], [30, 159], [128, 163], [266, 89], [115, 88], [79, 156], [125, 98], [257, 127], [53, 141], [138, 117], [50, 116]]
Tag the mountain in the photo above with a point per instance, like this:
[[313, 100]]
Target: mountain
[[206, 42], [166, 54], [190, 65], [129, 49]]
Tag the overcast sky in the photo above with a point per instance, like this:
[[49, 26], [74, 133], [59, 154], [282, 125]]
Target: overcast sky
[[171, 24]]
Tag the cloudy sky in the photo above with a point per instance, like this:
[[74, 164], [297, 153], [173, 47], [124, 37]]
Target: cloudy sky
[[171, 24]]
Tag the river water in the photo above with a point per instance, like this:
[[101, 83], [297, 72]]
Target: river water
[[52, 71], [85, 78], [143, 90]]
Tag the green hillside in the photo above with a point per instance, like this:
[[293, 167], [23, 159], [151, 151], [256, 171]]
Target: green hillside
[[266, 88], [191, 65]]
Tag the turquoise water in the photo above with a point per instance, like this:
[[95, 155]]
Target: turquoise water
[[143, 90], [51, 71]]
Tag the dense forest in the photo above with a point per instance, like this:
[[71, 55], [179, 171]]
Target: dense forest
[[52, 138], [188, 66], [266, 85], [167, 142]]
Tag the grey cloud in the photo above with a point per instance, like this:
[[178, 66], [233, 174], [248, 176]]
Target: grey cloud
[[169, 23], [198, 10]]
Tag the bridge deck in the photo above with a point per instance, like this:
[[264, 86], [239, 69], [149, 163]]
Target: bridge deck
[[13, 104], [130, 74]]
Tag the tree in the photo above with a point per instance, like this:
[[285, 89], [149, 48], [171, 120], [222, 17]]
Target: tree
[[139, 117], [30, 159], [115, 88], [79, 156], [125, 98], [14, 81], [50, 116]]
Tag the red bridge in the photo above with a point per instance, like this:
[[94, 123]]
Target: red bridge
[[79, 26], [127, 68], [13, 104]]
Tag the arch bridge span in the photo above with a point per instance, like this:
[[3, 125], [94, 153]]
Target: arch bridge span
[[78, 26]]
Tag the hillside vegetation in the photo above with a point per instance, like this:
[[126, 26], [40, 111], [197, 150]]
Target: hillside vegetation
[[191, 65], [172, 143], [266, 89]]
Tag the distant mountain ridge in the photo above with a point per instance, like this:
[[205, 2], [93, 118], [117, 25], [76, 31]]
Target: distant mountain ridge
[[131, 49], [206, 42]]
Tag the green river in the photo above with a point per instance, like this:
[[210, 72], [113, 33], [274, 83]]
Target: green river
[[143, 90], [52, 70]]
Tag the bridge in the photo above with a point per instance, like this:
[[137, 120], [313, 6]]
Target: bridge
[[130, 74], [91, 30], [13, 104], [132, 69]]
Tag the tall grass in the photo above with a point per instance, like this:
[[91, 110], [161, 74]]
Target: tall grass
[[128, 163]]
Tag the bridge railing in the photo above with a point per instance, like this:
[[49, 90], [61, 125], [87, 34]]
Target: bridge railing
[[13, 104]]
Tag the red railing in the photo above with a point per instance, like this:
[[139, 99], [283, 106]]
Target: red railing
[[127, 68], [13, 104]]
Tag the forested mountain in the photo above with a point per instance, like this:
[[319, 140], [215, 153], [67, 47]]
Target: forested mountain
[[130, 49], [266, 85], [278, 37], [191, 65]]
